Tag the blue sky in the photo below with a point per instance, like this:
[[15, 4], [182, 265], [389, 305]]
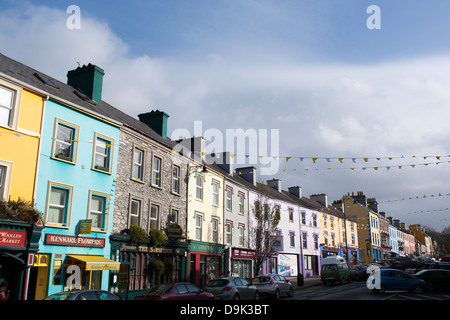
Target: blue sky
[[309, 68]]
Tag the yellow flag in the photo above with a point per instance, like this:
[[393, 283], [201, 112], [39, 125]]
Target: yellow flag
[[287, 159], [314, 160]]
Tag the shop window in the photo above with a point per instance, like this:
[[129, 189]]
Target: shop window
[[65, 141]]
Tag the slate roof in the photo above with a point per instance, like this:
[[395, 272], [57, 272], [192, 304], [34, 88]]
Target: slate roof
[[60, 90]]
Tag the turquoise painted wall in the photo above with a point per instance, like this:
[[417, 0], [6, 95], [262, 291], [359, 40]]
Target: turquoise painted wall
[[82, 179]]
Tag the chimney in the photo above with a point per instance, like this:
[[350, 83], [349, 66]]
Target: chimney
[[275, 183], [248, 173], [195, 145], [397, 223], [402, 225], [321, 198], [360, 198], [87, 79], [390, 221], [372, 204], [224, 161], [157, 120], [296, 191]]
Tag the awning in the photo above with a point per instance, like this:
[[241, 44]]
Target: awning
[[94, 263]]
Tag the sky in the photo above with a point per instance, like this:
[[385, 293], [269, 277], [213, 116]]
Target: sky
[[372, 105]]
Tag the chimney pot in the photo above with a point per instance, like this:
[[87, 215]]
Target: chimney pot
[[157, 120], [88, 79]]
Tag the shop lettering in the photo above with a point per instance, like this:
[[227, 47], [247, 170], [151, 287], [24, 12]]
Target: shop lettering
[[74, 241], [12, 238]]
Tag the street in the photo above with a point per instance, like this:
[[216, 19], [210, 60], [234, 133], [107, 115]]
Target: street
[[359, 291]]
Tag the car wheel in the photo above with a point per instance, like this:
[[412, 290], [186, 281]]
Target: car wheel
[[236, 297], [417, 289], [382, 289], [276, 296], [291, 292]]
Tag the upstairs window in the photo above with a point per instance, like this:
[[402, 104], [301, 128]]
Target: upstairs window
[[156, 176], [138, 164], [103, 153], [6, 106], [176, 179], [65, 141], [59, 203]]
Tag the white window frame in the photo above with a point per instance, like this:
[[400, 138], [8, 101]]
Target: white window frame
[[152, 219], [215, 230], [241, 198], [104, 213], [229, 198], [215, 193], [73, 144], [199, 188], [109, 147], [5, 179], [67, 205], [228, 233], [198, 226], [138, 165], [157, 173], [176, 178], [241, 229], [131, 214], [14, 105]]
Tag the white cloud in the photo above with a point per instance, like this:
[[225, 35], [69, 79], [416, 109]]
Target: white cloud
[[395, 108]]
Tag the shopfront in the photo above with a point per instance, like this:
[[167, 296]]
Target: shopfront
[[205, 262], [18, 244], [242, 262], [143, 266]]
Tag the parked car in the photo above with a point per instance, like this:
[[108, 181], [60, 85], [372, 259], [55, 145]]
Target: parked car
[[83, 295], [359, 272], [232, 288], [435, 279], [393, 279], [334, 269], [175, 291], [273, 285]]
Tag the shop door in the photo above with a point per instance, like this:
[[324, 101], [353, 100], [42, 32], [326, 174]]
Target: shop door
[[202, 280]]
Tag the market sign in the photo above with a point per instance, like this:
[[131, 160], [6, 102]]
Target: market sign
[[72, 241], [10, 238]]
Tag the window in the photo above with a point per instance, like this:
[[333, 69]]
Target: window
[[316, 241], [215, 187], [241, 203], [241, 229], [6, 105], [135, 212], [9, 104], [228, 194], [199, 187], [228, 232], [102, 153], [5, 177], [138, 164], [292, 239], [291, 214], [173, 216], [65, 141], [198, 227], [154, 216], [156, 172], [176, 179], [98, 210], [305, 240], [215, 230], [303, 217], [59, 203], [315, 220]]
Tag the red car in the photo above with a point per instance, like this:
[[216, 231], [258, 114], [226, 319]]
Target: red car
[[175, 291]]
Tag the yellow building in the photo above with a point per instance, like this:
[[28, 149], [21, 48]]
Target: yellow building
[[369, 238], [21, 111]]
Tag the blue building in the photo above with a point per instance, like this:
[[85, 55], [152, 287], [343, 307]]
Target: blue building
[[75, 184]]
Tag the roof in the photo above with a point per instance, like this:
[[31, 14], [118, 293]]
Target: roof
[[63, 92]]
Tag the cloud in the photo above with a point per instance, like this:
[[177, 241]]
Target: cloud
[[321, 109]]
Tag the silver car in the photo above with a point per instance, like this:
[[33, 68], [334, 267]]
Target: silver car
[[232, 288], [273, 285]]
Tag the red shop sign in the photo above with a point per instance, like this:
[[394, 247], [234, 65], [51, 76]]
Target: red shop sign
[[243, 254], [9, 238]]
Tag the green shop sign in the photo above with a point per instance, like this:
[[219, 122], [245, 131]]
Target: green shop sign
[[206, 247]]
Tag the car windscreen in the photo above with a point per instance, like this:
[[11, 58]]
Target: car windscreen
[[218, 283], [329, 267]]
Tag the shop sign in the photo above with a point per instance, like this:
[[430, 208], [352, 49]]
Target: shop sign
[[206, 247], [243, 254], [72, 241], [174, 232], [9, 238], [85, 226]]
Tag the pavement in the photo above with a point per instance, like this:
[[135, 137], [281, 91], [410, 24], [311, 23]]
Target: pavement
[[307, 282]]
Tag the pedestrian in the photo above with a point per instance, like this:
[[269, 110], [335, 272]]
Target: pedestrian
[[4, 291]]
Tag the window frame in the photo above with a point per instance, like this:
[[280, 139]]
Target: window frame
[[141, 164], [229, 199], [5, 179], [130, 206], [177, 179], [158, 175], [105, 213], [215, 230], [199, 177], [15, 104], [154, 220], [74, 142], [67, 205], [109, 149], [198, 228]]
